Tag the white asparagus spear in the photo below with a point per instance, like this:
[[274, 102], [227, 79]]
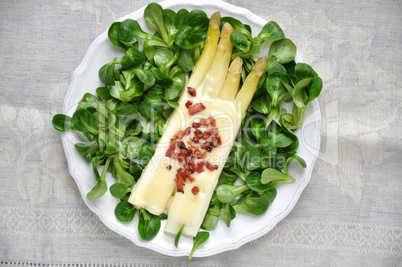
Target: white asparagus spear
[[156, 184], [208, 53], [249, 87], [232, 80]]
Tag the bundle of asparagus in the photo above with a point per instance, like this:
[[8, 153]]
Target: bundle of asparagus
[[198, 137]]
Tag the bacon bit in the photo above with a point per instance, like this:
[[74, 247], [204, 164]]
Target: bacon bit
[[190, 164], [187, 131], [191, 147], [210, 166], [169, 153], [196, 152], [187, 173], [169, 167], [208, 121], [181, 177], [196, 140], [212, 121], [194, 109], [207, 146], [196, 125], [183, 152], [189, 159], [199, 167], [195, 190], [198, 134], [188, 104], [179, 181], [216, 141], [180, 135], [214, 131], [206, 135], [191, 91], [198, 155], [180, 171], [172, 144], [181, 145], [204, 122]]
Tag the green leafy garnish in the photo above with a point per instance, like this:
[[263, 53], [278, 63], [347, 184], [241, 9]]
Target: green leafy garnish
[[125, 211], [177, 238], [200, 238]]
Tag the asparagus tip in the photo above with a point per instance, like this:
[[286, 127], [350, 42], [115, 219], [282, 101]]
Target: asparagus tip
[[215, 20], [227, 29], [235, 66], [260, 65]]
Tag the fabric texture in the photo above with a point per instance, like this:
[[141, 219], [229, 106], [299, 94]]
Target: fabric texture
[[349, 214]]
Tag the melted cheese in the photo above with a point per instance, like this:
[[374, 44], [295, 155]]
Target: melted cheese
[[188, 209], [157, 185]]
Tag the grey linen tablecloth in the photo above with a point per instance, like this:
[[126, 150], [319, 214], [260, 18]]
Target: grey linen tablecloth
[[349, 214]]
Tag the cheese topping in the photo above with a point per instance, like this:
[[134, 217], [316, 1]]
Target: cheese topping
[[154, 194]]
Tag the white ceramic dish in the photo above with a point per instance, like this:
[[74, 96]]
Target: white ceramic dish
[[244, 228]]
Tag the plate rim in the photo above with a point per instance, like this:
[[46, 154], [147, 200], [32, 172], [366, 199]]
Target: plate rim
[[181, 252]]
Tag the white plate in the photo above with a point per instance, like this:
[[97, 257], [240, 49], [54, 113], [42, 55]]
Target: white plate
[[244, 228]]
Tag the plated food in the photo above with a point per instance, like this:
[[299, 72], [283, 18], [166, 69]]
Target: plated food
[[190, 155]]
